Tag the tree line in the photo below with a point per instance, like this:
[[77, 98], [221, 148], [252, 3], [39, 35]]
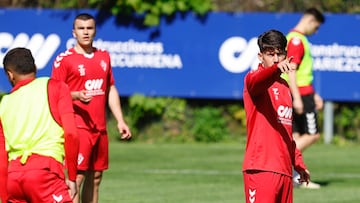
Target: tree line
[[152, 10]]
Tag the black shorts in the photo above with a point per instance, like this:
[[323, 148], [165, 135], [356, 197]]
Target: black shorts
[[306, 123]]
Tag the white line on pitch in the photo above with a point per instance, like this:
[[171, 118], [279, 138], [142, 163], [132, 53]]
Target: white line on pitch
[[217, 172], [191, 172]]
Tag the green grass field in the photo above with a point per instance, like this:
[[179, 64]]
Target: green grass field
[[211, 173]]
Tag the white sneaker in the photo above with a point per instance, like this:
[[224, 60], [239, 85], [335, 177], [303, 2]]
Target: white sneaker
[[310, 185]]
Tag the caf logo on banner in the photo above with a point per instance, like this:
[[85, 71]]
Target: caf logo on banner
[[237, 55], [42, 48]]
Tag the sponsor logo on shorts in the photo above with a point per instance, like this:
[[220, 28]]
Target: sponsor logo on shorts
[[311, 123], [252, 194], [57, 198]]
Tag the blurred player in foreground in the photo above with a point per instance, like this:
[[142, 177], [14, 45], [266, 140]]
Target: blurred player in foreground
[[306, 102], [270, 149], [37, 121]]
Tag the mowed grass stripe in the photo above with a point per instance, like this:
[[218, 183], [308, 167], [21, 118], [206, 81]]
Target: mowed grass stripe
[[209, 173], [190, 172], [214, 172]]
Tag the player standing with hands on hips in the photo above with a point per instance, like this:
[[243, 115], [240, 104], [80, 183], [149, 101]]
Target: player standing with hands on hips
[[88, 73], [306, 102], [37, 122], [270, 150]]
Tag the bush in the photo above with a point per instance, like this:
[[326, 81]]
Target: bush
[[347, 121], [209, 125], [165, 119]]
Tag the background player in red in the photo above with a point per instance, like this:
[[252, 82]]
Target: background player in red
[[37, 121], [270, 149], [306, 102], [88, 73]]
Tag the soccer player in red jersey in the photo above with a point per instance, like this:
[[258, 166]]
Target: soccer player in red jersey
[[37, 122], [88, 73], [270, 149], [306, 101]]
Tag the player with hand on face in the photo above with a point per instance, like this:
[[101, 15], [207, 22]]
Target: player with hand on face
[[306, 102]]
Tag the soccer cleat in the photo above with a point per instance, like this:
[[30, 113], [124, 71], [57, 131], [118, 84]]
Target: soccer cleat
[[310, 185]]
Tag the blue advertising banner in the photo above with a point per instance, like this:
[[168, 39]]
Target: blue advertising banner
[[188, 57]]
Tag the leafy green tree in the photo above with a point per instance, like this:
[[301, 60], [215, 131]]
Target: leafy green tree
[[153, 9], [149, 11], [333, 6]]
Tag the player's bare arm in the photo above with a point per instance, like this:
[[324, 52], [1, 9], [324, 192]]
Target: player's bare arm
[[298, 105], [115, 107], [319, 103]]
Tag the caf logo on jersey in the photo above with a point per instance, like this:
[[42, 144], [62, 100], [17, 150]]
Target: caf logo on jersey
[[285, 114]]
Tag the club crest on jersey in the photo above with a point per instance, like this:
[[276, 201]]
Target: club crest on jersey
[[81, 69], [103, 65], [80, 158]]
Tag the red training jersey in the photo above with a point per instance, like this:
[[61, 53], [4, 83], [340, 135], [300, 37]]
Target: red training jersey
[[90, 72], [268, 106]]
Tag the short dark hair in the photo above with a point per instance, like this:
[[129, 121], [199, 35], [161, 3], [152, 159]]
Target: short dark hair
[[316, 13], [272, 40], [19, 60], [83, 16]]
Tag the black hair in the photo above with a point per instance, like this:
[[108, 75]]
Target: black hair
[[316, 13], [19, 60], [272, 40], [83, 16]]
